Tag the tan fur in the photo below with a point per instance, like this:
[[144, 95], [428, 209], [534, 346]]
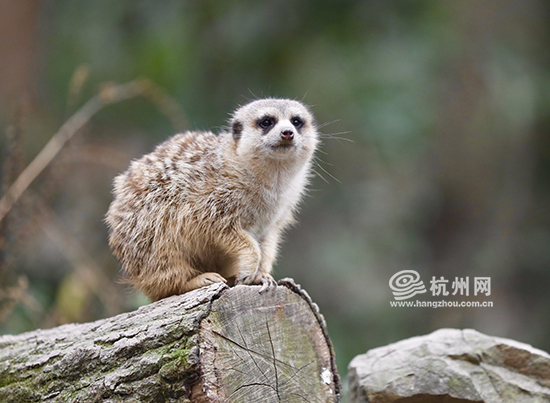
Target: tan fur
[[203, 208]]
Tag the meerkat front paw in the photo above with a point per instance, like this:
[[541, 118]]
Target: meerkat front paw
[[265, 279]]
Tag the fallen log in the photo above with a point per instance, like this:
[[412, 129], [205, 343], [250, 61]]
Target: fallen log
[[215, 344]]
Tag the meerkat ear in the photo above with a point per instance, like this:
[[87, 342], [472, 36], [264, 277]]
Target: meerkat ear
[[236, 129]]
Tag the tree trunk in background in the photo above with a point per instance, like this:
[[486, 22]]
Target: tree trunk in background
[[18, 32], [210, 345]]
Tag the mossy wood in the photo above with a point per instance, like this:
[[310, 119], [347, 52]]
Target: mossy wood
[[215, 344]]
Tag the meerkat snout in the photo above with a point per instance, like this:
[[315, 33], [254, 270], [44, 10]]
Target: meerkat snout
[[287, 135]]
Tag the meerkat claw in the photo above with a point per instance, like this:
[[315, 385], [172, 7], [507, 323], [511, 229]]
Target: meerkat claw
[[268, 283]]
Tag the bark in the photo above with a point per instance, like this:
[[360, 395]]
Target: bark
[[215, 344]]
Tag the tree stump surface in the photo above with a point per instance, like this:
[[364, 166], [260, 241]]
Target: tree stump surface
[[214, 344]]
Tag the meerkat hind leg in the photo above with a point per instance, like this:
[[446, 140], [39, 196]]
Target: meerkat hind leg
[[173, 282], [203, 280]]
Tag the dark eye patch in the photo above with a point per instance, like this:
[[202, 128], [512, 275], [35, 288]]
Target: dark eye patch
[[266, 123], [237, 129]]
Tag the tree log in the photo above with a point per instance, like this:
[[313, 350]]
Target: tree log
[[214, 344]]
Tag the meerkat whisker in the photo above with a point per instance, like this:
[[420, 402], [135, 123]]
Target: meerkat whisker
[[322, 125], [325, 171], [335, 136], [319, 175]]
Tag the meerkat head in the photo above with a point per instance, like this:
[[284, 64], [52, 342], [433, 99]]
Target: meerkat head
[[274, 129]]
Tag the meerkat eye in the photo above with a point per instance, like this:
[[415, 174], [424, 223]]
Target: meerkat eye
[[266, 122], [297, 122]]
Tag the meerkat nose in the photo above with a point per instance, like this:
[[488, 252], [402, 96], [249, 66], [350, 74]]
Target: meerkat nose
[[287, 134]]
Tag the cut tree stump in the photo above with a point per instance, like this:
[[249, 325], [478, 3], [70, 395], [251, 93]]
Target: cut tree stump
[[214, 344]]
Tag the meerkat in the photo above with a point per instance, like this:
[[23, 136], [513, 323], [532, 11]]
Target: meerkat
[[205, 208]]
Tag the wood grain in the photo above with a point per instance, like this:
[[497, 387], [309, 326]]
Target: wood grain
[[269, 349]]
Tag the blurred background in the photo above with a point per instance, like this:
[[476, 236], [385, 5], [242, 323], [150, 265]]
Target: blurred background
[[436, 154]]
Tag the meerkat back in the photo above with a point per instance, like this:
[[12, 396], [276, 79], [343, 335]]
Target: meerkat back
[[203, 208]]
